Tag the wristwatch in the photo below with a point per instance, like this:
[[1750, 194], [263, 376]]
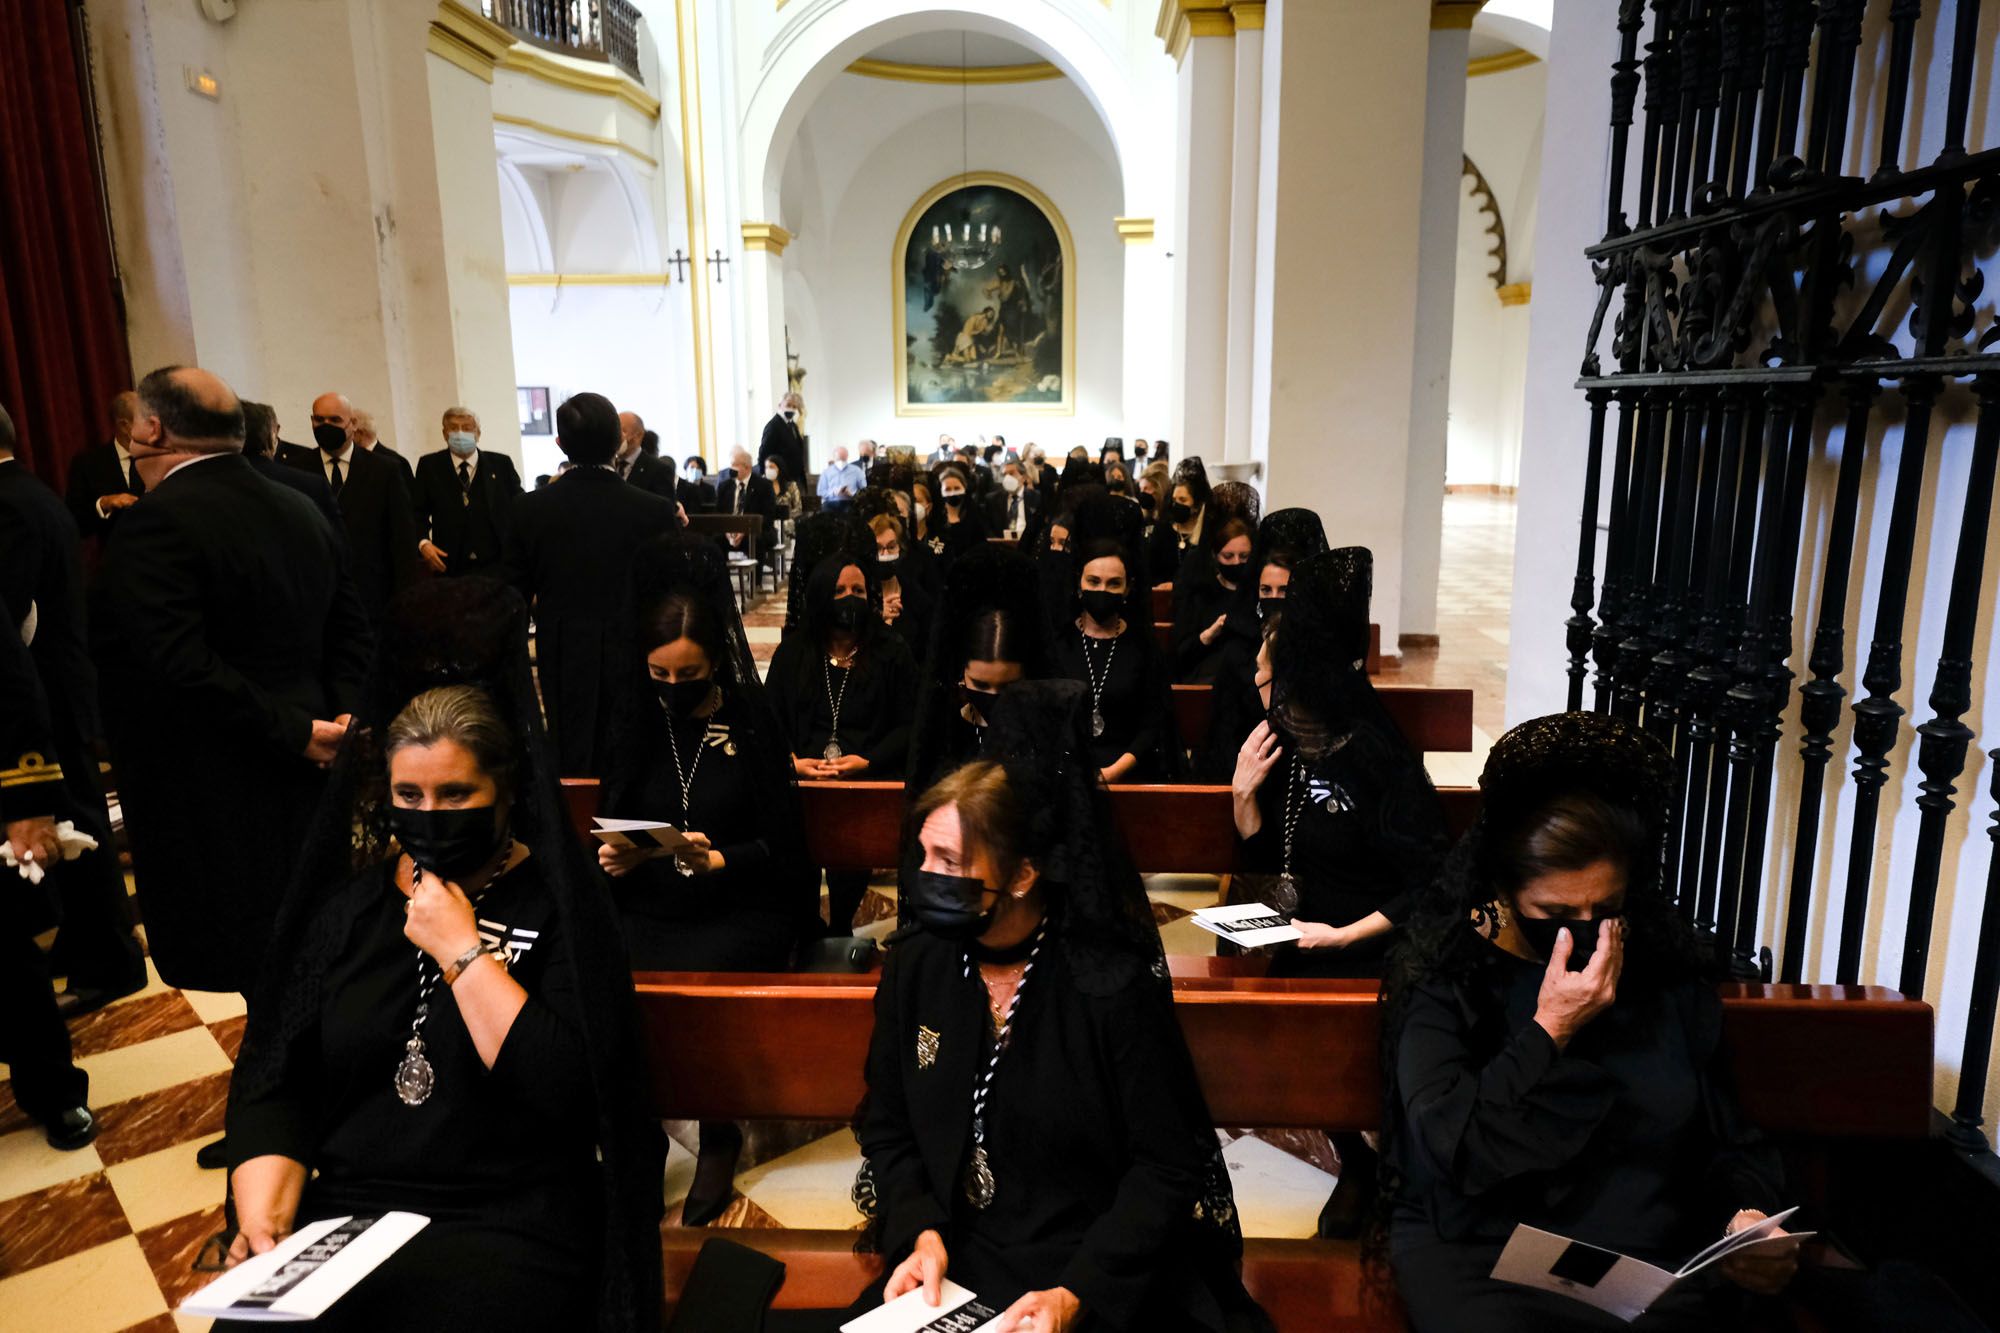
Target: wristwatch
[[465, 960]]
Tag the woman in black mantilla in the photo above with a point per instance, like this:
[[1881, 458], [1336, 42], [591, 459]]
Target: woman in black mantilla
[[703, 752], [1215, 607], [958, 525], [1182, 523], [453, 1033], [1551, 1048], [988, 634], [1285, 539], [1108, 646], [842, 687], [1033, 1128]]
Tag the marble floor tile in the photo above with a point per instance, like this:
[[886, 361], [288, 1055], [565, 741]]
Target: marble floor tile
[[101, 1290], [1185, 937], [214, 1006], [171, 1249], [157, 1120], [133, 1071], [121, 1025], [1277, 1194], [51, 1224], [28, 1163], [158, 1187], [680, 1172], [228, 1035], [810, 1187]]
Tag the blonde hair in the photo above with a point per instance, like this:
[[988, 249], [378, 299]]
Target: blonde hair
[[465, 715], [882, 523]]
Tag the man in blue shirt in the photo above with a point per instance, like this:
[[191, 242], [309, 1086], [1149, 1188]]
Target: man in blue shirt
[[839, 482]]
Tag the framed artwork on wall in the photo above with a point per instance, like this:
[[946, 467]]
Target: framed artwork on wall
[[985, 302], [536, 419]]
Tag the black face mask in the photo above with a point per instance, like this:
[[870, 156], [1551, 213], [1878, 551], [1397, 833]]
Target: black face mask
[[330, 437], [1102, 606], [847, 613], [887, 568], [682, 697], [1228, 574], [979, 701], [451, 844], [1269, 606], [955, 499], [949, 906], [1146, 501], [1540, 933], [1178, 513]]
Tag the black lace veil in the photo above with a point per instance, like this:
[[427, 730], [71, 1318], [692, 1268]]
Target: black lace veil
[[985, 579], [473, 630]]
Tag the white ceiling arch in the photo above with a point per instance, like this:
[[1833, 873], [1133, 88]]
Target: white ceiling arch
[[534, 170], [822, 37]]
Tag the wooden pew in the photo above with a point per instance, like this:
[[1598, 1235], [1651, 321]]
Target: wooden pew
[[1163, 636], [780, 1047], [859, 825], [1430, 717]]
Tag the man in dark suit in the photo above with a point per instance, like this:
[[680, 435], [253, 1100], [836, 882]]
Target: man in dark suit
[[366, 440], [634, 464], [1012, 506], [569, 550], [374, 503], [41, 583], [47, 1085], [464, 497], [232, 648], [260, 442], [784, 440], [102, 482], [743, 491]]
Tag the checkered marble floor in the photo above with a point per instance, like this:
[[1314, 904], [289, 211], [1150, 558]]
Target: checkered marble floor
[[100, 1241]]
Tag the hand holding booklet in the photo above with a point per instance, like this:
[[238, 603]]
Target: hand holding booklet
[[1248, 924], [958, 1311], [1617, 1283], [303, 1275], [646, 833]]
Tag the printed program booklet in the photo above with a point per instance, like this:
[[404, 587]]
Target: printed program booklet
[[304, 1274], [645, 833], [957, 1311], [1248, 924], [1617, 1283]]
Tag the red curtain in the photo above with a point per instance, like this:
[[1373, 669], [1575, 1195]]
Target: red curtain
[[62, 329]]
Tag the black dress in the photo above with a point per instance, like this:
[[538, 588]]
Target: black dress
[[1096, 1132], [874, 701], [1629, 1139], [500, 1160], [1131, 680], [1365, 838], [743, 918], [1199, 599]]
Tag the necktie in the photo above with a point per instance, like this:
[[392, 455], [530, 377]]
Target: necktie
[[1013, 513], [736, 497], [333, 480], [465, 483], [134, 483]]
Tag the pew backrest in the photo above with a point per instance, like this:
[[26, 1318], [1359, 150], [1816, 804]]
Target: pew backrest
[[1430, 717]]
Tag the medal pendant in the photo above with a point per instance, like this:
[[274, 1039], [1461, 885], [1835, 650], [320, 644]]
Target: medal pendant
[[979, 1179], [1096, 723], [414, 1076], [832, 751], [1285, 898]]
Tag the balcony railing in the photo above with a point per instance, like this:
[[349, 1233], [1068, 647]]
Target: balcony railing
[[588, 29]]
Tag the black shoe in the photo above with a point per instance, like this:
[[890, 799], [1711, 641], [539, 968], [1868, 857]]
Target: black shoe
[[80, 1000], [212, 1156], [714, 1177], [1348, 1210], [72, 1129]]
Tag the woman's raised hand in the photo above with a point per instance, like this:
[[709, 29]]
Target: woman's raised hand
[[440, 919], [924, 1268], [1569, 999], [1259, 754]]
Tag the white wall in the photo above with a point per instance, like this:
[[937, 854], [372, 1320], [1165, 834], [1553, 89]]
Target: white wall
[[1571, 208], [867, 151]]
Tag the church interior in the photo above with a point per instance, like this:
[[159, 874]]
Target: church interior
[[1647, 351]]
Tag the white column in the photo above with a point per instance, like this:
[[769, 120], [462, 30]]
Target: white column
[[764, 318], [1206, 114], [1430, 371], [1336, 265], [1147, 385], [1246, 128]]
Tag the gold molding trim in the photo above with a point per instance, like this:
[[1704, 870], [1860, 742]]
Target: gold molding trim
[[687, 51], [905, 408], [977, 74], [1500, 64], [1134, 231], [534, 64], [589, 279], [1246, 15], [575, 136], [766, 236], [1453, 14], [1181, 21], [468, 39], [1516, 293]]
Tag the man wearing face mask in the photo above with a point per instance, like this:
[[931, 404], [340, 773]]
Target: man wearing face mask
[[742, 490], [374, 502], [231, 649], [840, 482], [1011, 510], [462, 499], [646, 471], [784, 438]]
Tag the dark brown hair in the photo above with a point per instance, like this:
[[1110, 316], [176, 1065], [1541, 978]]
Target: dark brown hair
[[1569, 832]]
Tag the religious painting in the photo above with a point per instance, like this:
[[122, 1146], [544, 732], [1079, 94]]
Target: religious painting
[[534, 406], [985, 302]]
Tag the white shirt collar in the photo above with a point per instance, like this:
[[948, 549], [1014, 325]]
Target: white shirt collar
[[346, 453], [198, 458]]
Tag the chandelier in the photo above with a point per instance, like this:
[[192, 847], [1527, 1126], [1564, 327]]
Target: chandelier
[[967, 245]]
